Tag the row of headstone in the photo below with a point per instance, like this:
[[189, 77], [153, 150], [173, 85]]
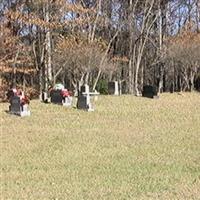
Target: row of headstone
[[149, 91], [60, 95], [19, 103]]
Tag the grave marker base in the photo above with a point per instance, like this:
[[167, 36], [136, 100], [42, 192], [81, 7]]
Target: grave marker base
[[21, 113], [67, 102], [155, 97]]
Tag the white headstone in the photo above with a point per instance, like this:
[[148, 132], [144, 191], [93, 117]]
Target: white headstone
[[116, 88]]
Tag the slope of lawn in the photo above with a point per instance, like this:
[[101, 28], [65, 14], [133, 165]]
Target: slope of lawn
[[129, 148]]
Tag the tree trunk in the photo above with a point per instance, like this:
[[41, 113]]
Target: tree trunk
[[48, 60], [130, 64], [14, 82]]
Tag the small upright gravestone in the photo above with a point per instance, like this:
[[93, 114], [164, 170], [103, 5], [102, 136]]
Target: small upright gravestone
[[150, 92], [60, 95], [19, 104], [113, 88], [84, 98]]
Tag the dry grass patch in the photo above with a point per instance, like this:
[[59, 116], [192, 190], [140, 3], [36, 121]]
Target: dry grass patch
[[129, 148]]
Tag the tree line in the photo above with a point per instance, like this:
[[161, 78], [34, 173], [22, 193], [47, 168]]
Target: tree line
[[135, 42]]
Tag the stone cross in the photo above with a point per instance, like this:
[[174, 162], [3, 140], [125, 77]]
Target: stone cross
[[84, 98]]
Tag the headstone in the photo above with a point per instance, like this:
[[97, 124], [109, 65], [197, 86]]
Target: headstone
[[113, 88], [150, 91], [83, 102], [17, 107], [84, 98], [56, 97], [60, 96]]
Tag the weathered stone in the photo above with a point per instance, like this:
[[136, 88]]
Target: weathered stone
[[17, 108], [150, 91], [84, 98], [58, 98]]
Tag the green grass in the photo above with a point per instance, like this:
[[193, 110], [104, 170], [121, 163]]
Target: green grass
[[129, 148]]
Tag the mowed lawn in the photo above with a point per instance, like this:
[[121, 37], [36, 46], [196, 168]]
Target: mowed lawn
[[129, 148]]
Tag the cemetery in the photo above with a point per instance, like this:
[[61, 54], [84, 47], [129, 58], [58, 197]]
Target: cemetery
[[100, 100], [129, 142]]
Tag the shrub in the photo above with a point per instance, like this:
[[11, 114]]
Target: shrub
[[102, 86]]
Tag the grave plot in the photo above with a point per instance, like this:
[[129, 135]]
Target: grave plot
[[84, 98], [150, 92], [58, 95], [19, 103]]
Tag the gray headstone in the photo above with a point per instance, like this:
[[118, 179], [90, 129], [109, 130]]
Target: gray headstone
[[84, 100], [17, 108], [150, 91], [56, 97]]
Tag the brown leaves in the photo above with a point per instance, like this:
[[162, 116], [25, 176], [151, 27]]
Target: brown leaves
[[8, 43], [62, 7], [120, 59], [78, 42], [78, 55], [76, 8], [32, 19], [185, 47]]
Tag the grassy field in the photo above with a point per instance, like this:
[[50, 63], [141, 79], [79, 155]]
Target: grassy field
[[129, 148]]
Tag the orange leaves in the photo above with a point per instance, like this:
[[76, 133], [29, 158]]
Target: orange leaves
[[63, 9], [186, 37], [78, 54], [79, 42], [76, 8], [185, 47], [8, 40], [28, 19], [31, 19], [8, 43], [120, 59]]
